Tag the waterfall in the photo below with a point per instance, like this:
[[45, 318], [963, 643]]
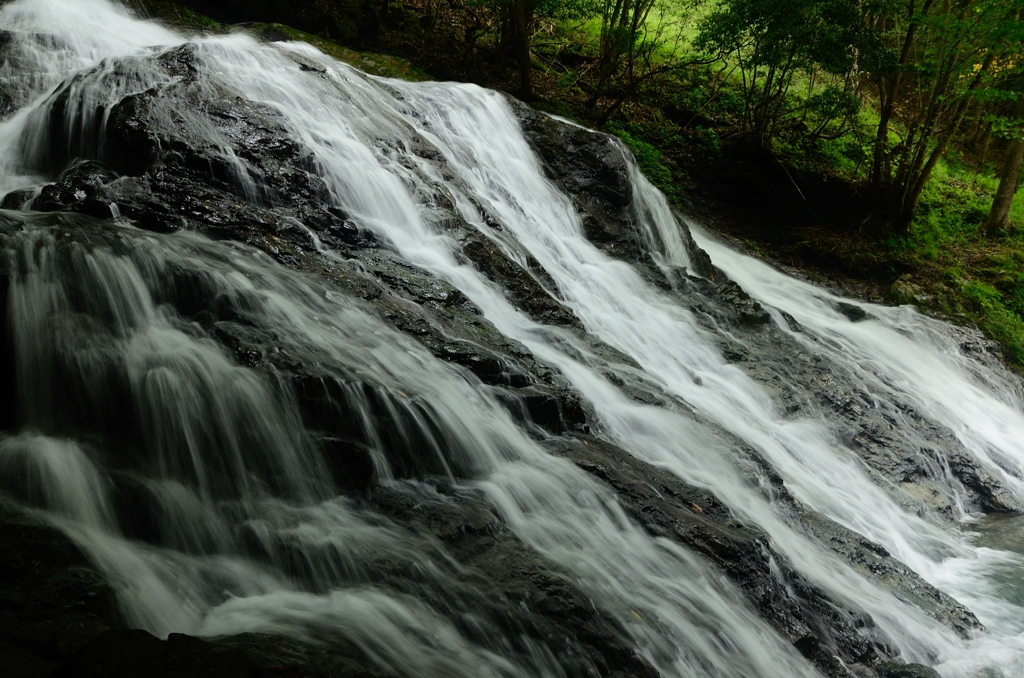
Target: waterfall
[[195, 482]]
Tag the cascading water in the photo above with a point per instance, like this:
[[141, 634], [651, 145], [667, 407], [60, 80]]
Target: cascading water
[[128, 393]]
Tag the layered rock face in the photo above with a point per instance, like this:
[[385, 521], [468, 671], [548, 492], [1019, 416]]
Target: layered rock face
[[183, 258]]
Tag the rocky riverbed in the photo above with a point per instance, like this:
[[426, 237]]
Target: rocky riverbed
[[139, 172]]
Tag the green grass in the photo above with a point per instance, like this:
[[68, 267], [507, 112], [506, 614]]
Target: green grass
[[650, 160], [987, 307], [969, 275]]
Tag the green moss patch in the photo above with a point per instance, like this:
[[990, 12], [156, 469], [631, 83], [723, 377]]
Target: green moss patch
[[383, 65]]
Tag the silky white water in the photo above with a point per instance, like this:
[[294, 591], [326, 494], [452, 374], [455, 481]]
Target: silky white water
[[898, 349], [685, 618]]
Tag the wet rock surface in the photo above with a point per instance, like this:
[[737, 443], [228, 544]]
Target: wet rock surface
[[156, 173], [52, 602], [131, 653], [890, 670], [592, 169], [522, 594], [897, 442], [821, 628], [589, 164], [7, 96]]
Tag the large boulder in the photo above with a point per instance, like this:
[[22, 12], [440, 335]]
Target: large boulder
[[52, 602]]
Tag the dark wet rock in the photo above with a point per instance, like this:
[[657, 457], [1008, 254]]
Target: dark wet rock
[[554, 412], [895, 440], [133, 653], [78, 190], [852, 312], [592, 168], [791, 322], [730, 304], [719, 302], [521, 284], [7, 105], [893, 670], [16, 200], [874, 562], [8, 97], [350, 462], [821, 628], [281, 657], [51, 600], [700, 261], [991, 495], [504, 583]]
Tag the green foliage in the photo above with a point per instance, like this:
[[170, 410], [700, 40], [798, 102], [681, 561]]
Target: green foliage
[[377, 64], [831, 103], [846, 155], [570, 10], [825, 33], [648, 158], [773, 42], [708, 138], [953, 206], [633, 48], [938, 59], [987, 307], [970, 276]]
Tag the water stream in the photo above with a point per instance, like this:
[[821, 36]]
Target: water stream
[[220, 451]]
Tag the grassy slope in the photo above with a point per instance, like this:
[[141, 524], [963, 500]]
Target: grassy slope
[[958, 271]]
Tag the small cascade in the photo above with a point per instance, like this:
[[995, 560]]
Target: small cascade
[[375, 365]]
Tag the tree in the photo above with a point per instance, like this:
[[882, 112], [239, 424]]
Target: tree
[[938, 56], [1009, 167], [1009, 90], [1009, 180], [623, 24], [639, 49], [515, 39], [516, 26], [772, 40]]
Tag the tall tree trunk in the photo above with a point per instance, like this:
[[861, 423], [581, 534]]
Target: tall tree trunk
[[888, 90], [1009, 173], [521, 18], [913, 196], [985, 141]]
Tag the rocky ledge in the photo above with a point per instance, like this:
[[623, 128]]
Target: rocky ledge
[[155, 172]]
